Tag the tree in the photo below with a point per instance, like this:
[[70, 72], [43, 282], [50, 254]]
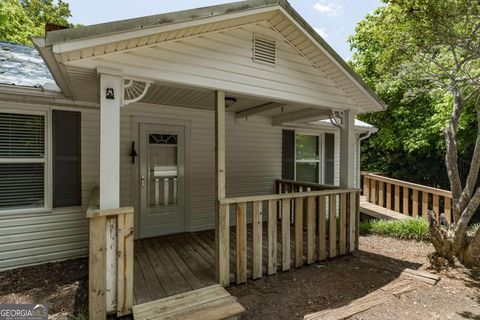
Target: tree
[[429, 49], [21, 19]]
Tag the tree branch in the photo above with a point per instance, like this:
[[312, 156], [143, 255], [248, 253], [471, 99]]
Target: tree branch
[[474, 168]]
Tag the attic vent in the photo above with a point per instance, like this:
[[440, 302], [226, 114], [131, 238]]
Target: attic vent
[[264, 50]]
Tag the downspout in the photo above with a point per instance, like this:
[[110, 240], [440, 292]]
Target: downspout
[[360, 139]]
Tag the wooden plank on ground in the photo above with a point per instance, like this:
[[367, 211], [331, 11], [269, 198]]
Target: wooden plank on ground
[[360, 305], [310, 230], [206, 303], [241, 243], [423, 276], [272, 237], [322, 229], [298, 232], [286, 235], [97, 268], [332, 234], [257, 240]]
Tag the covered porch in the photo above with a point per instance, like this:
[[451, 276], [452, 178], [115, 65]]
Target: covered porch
[[174, 264], [225, 85]]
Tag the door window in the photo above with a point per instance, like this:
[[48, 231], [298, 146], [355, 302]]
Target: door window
[[162, 170]]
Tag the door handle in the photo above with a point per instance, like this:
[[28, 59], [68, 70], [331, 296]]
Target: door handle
[[143, 181]]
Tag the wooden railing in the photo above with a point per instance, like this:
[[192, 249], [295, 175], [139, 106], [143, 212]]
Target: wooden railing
[[331, 227], [110, 284], [406, 197], [289, 186]]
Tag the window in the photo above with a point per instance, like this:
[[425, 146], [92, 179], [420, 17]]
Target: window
[[22, 161], [307, 158]]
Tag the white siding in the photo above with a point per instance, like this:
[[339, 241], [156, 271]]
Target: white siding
[[223, 60], [253, 160], [27, 239], [254, 155]]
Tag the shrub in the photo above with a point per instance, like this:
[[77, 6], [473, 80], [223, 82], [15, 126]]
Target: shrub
[[415, 229]]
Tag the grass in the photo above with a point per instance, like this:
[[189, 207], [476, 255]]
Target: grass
[[414, 229]]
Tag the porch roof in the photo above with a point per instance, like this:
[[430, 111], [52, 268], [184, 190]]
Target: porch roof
[[64, 46]]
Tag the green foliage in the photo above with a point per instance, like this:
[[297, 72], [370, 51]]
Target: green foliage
[[413, 229], [21, 19], [401, 50]]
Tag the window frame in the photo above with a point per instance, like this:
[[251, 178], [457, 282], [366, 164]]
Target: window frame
[[47, 161], [317, 161], [321, 150]]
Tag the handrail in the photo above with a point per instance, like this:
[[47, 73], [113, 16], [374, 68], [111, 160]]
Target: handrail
[[93, 207], [286, 196], [419, 187], [323, 224], [306, 184]]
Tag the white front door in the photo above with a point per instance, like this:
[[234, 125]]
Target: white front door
[[162, 183]]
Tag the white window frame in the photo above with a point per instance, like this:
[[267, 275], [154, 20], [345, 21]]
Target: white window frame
[[47, 202], [321, 157]]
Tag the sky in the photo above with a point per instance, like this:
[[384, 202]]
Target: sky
[[334, 20]]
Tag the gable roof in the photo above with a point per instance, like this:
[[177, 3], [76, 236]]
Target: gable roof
[[21, 65], [96, 40]]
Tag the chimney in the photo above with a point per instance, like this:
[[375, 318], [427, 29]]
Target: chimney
[[53, 27]]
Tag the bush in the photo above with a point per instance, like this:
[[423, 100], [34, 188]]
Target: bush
[[415, 229]]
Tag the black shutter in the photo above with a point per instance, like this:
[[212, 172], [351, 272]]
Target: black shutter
[[66, 159], [329, 159], [288, 154]]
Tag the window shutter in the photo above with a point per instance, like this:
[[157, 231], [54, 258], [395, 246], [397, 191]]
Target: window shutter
[[288, 154], [329, 158], [66, 159]]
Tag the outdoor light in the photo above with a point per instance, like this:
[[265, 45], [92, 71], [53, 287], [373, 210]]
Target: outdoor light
[[230, 101]]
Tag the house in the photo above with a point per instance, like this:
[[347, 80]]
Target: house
[[183, 116]]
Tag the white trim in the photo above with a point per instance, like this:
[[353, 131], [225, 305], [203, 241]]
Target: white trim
[[127, 35], [324, 51]]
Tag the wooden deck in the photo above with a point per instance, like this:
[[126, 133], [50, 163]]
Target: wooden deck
[[379, 212], [170, 265]]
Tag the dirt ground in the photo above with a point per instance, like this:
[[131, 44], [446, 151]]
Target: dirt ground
[[291, 295]]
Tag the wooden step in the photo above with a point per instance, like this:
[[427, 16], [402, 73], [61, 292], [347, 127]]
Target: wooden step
[[210, 303]]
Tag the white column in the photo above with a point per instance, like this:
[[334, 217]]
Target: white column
[[110, 141], [110, 173], [347, 151]]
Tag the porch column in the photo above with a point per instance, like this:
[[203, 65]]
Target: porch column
[[222, 238], [110, 140], [111, 94], [347, 151]]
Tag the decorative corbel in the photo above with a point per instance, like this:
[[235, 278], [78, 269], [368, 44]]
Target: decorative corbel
[[337, 118], [134, 90]]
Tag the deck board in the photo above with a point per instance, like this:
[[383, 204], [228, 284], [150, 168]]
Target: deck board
[[174, 264]]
